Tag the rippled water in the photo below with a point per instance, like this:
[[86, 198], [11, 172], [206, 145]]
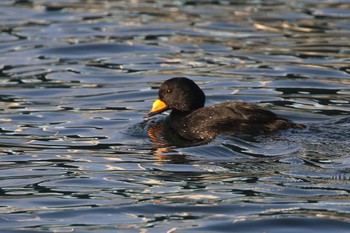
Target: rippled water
[[77, 78]]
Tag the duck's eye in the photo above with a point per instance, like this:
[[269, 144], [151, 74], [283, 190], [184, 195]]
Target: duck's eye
[[168, 90]]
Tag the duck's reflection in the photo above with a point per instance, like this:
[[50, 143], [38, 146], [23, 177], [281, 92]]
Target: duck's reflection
[[156, 133], [164, 140]]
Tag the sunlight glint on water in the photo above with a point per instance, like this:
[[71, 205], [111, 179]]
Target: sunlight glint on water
[[77, 77]]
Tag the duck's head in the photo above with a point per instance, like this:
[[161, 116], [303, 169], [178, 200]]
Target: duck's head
[[179, 93]]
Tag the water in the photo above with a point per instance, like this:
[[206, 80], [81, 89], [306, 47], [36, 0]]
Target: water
[[77, 78]]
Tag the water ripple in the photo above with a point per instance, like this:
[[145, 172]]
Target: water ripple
[[76, 80]]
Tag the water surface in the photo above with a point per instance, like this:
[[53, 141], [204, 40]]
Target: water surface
[[77, 77]]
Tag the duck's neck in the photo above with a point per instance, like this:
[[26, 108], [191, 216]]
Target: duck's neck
[[178, 121], [176, 114]]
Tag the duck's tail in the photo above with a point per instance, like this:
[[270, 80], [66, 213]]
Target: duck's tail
[[282, 124], [297, 126]]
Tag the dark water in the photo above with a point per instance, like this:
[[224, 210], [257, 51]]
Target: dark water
[[77, 77]]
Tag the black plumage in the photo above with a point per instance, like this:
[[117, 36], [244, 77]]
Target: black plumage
[[192, 121]]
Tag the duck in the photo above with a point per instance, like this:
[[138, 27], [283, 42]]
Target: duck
[[193, 121]]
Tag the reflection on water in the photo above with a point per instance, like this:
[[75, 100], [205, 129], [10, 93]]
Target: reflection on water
[[77, 77]]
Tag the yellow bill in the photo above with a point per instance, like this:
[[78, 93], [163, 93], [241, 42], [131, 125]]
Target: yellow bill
[[157, 107]]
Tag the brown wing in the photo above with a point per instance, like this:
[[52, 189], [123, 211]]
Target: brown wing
[[236, 117], [228, 118]]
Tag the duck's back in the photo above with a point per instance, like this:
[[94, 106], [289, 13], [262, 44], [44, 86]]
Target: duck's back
[[228, 118]]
